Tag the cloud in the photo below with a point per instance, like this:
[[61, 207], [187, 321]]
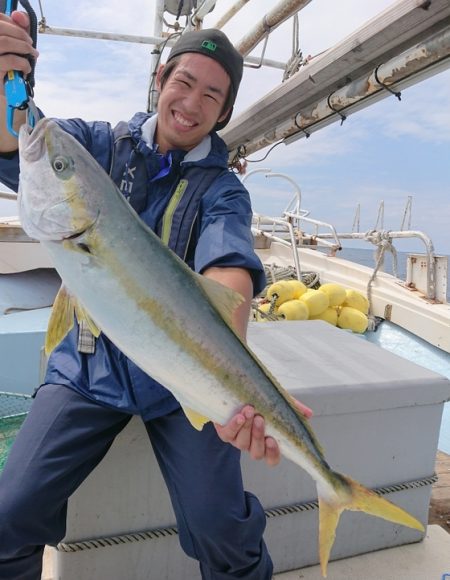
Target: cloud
[[105, 16]]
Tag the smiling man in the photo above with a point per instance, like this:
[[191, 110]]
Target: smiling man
[[193, 99], [172, 167]]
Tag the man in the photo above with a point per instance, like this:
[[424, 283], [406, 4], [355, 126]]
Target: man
[[90, 393]]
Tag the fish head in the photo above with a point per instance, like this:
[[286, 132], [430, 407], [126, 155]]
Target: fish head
[[57, 181]]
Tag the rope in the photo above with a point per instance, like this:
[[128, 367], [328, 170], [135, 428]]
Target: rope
[[274, 273], [117, 540], [383, 241], [312, 505], [159, 533]]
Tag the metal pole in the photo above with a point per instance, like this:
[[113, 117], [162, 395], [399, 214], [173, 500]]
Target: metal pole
[[281, 12], [421, 61], [230, 13], [153, 40], [156, 57], [9, 196], [100, 35]]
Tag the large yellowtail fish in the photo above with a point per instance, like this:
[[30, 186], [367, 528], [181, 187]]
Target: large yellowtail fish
[[172, 322]]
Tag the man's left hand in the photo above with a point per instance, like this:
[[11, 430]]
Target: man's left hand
[[246, 431]]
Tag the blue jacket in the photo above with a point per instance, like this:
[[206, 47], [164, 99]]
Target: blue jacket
[[220, 236]]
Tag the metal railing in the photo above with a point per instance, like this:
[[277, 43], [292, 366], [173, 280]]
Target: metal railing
[[289, 230]]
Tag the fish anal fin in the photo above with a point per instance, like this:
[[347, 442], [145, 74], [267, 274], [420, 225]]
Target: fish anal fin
[[197, 420], [61, 320], [223, 298]]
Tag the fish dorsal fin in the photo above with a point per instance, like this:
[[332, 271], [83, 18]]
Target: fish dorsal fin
[[223, 298], [61, 320], [65, 307], [195, 419]]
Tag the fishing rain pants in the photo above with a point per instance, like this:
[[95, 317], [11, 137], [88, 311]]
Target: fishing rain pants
[[65, 435]]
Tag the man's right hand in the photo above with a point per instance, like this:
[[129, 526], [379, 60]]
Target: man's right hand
[[15, 44]]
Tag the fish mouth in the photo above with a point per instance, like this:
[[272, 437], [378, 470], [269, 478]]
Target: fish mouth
[[77, 236], [32, 143]]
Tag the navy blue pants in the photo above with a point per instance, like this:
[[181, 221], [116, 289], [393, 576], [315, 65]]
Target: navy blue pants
[[66, 435]]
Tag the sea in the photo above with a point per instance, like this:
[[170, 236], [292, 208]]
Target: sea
[[366, 257]]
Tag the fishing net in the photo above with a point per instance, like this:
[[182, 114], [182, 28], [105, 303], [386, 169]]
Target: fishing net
[[13, 410]]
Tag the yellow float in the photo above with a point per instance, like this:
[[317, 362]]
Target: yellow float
[[352, 319], [330, 315], [282, 291], [298, 287], [333, 303], [335, 292], [316, 301], [293, 310], [355, 299]]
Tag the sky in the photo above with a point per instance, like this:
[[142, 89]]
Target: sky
[[386, 152]]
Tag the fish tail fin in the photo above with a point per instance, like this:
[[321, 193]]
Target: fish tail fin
[[351, 495]]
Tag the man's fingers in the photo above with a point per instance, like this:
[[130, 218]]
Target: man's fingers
[[22, 19], [258, 444], [246, 431], [273, 454], [243, 438], [304, 410], [238, 429], [16, 25], [15, 62]]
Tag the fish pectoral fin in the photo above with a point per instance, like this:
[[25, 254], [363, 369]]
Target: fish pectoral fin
[[223, 298], [195, 419], [61, 319], [82, 315], [351, 495], [65, 308]]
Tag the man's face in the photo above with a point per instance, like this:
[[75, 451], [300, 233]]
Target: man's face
[[191, 102]]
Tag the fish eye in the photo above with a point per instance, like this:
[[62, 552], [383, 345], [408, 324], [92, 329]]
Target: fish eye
[[60, 164]]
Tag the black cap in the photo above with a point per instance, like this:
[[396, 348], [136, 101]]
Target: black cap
[[215, 44]]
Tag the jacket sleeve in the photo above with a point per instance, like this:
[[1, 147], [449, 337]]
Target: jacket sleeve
[[9, 170], [225, 231]]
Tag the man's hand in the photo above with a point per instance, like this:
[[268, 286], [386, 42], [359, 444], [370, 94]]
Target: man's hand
[[15, 44], [246, 431]]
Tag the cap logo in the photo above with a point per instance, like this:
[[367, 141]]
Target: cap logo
[[209, 45]]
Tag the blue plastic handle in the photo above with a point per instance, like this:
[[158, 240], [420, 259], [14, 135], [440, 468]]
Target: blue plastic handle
[[11, 5]]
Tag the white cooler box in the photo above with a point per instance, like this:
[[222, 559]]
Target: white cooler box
[[376, 415]]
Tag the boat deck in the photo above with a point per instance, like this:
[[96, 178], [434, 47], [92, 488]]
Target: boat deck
[[428, 560], [440, 497]]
